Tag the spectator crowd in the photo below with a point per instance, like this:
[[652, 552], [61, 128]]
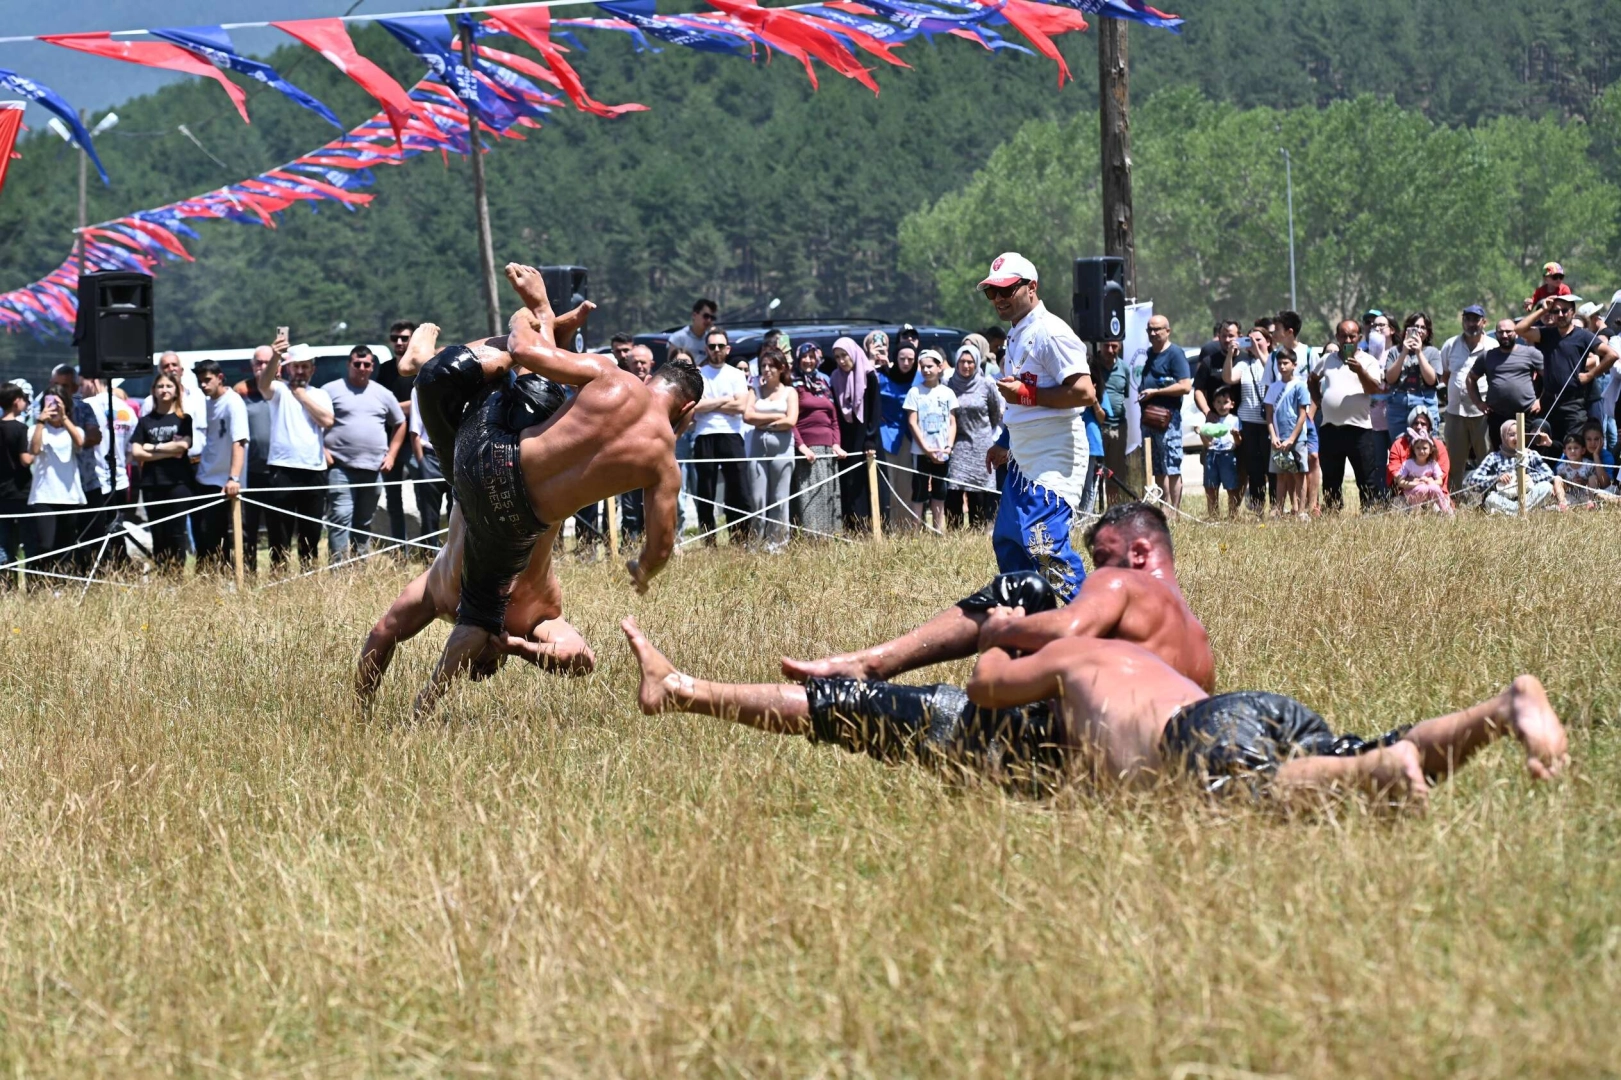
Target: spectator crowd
[[780, 440]]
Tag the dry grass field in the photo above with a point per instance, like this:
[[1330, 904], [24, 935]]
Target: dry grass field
[[209, 866]]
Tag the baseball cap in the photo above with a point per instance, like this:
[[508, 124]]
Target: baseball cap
[[1587, 309], [1009, 267], [1553, 268], [938, 359], [1570, 298], [1476, 310], [906, 330]]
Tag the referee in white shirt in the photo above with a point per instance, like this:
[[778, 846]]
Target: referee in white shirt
[[1046, 383]]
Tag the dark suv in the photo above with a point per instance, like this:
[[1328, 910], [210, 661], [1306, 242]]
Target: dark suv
[[747, 336]]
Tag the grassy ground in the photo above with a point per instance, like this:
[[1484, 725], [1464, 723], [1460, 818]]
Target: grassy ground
[[208, 865]]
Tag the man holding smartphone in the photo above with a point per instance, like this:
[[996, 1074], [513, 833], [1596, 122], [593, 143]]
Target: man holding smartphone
[[1345, 381]]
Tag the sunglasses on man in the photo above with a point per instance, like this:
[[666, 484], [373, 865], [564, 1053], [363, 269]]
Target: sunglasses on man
[[1003, 292], [363, 365], [399, 337]]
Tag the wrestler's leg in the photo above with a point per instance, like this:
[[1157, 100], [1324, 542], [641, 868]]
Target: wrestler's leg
[[780, 708], [424, 343], [953, 634], [1522, 709], [407, 617]]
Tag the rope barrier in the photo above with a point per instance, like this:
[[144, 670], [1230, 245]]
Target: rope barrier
[[756, 513], [22, 563], [346, 562], [323, 521]]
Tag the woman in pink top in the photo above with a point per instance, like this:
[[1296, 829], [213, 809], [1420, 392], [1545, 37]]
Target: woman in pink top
[[816, 439]]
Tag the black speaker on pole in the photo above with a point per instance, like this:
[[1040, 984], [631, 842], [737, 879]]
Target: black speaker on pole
[[114, 328], [565, 289], [1099, 309]]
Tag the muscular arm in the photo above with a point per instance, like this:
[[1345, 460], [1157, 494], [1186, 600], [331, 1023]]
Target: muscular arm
[[1094, 613], [530, 351], [1000, 682], [1075, 392], [407, 617], [659, 513]]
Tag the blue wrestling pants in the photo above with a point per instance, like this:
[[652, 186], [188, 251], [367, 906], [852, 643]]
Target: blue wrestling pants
[[1032, 533]]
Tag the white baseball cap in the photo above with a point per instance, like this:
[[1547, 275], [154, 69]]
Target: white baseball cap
[[1009, 267]]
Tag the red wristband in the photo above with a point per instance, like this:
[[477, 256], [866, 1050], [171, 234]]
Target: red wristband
[[1027, 394]]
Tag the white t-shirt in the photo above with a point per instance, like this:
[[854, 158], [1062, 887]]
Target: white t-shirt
[[56, 469], [415, 424], [1345, 402], [195, 403], [1457, 358], [295, 440], [124, 420], [934, 407], [720, 381], [1049, 445], [227, 425]]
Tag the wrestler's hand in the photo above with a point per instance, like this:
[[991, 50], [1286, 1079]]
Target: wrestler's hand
[[637, 578], [997, 621]]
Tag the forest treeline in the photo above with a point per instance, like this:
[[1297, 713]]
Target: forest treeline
[[1434, 142]]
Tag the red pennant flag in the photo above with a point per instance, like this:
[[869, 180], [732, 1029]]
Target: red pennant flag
[[329, 38], [134, 245], [1040, 23], [158, 54], [790, 32], [874, 45], [534, 25], [353, 198], [167, 239], [11, 121], [521, 64]]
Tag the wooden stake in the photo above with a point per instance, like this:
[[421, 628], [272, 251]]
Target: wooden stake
[[872, 495], [613, 526], [1519, 459], [236, 530]]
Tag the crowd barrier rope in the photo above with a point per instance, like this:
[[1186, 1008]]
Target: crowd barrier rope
[[879, 476]]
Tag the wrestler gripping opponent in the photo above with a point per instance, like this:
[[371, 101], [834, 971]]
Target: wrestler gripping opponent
[[524, 457], [1113, 712], [1131, 595]]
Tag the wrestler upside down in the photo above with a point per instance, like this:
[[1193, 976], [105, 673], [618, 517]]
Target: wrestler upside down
[[524, 455]]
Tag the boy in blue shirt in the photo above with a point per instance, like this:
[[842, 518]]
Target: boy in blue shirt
[[1288, 408]]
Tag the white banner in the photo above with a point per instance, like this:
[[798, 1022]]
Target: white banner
[[1134, 353]]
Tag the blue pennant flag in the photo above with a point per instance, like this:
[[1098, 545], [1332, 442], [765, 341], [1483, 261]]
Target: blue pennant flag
[[213, 44], [46, 97], [928, 19], [429, 37], [641, 14]]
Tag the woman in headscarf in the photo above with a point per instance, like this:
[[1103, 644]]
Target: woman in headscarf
[[979, 415], [816, 438], [895, 439], [855, 395]]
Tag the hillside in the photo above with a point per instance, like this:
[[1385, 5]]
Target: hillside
[[741, 182]]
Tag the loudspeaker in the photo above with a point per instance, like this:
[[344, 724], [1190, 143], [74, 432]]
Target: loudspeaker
[[1099, 306], [565, 290], [114, 328]]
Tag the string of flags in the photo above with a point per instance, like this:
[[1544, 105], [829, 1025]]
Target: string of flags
[[502, 92]]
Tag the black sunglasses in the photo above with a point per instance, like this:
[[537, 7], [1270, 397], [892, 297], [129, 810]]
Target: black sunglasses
[[716, 346], [706, 315], [399, 337], [1002, 292], [364, 364]]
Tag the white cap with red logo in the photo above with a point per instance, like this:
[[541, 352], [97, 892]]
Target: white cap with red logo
[[1009, 267]]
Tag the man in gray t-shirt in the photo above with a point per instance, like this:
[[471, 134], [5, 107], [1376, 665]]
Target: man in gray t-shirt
[[1512, 371], [364, 440]]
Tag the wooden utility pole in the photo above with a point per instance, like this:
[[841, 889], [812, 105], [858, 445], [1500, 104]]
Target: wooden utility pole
[[486, 244], [84, 193], [1114, 126]]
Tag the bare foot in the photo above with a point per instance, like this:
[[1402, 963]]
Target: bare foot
[[530, 287], [1397, 772], [848, 666], [659, 676], [424, 343], [1547, 751]]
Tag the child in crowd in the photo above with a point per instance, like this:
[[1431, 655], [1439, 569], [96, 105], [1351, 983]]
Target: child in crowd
[[1221, 438], [931, 413], [1288, 410], [1586, 480], [1420, 479]]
